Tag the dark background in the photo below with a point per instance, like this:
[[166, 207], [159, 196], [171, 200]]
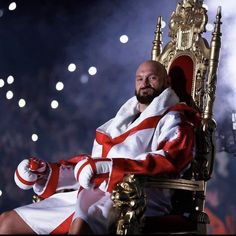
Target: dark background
[[40, 38]]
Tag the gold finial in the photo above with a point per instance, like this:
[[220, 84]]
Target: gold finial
[[213, 65], [157, 42]]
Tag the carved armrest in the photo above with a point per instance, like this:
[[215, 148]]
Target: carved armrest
[[129, 198], [160, 182]]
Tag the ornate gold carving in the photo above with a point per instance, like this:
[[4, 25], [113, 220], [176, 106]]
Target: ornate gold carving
[[186, 23], [36, 198], [130, 202]]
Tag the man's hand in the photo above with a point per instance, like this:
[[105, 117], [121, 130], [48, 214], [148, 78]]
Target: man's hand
[[29, 171], [93, 172]]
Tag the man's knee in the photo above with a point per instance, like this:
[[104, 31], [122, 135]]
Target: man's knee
[[12, 223], [6, 222]]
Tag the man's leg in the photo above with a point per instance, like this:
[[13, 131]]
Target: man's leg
[[12, 223], [79, 226]]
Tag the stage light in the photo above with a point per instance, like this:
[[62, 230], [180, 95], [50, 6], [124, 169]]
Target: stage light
[[54, 104], [59, 86], [234, 120], [124, 38], [72, 67], [163, 24], [21, 102], [0, 193], [92, 70], [84, 78], [1, 12], [34, 137], [10, 79], [1, 83], [209, 27], [234, 125], [12, 6], [9, 94]]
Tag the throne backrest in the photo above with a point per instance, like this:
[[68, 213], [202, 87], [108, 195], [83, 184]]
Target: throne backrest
[[192, 65]]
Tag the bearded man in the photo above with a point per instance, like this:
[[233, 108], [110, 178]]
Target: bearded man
[[152, 133]]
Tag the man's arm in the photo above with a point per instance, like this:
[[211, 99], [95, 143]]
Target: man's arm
[[46, 178], [174, 152]]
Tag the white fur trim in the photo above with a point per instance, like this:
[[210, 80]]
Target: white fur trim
[[122, 122]]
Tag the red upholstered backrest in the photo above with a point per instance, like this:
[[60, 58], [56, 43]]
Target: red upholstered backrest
[[181, 73]]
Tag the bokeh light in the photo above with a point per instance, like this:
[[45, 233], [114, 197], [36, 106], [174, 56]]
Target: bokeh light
[[10, 79], [34, 137], [59, 86], [71, 67], [124, 38], [1, 83], [12, 6], [9, 94], [54, 104], [92, 70], [21, 102]]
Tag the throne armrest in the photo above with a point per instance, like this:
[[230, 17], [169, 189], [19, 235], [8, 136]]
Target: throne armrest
[[129, 201], [160, 182]]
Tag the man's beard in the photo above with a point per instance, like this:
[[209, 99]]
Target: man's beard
[[147, 98]]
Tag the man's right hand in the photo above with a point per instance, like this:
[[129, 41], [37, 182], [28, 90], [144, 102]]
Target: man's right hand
[[29, 171]]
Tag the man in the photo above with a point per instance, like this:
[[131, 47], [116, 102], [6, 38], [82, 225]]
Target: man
[[152, 133]]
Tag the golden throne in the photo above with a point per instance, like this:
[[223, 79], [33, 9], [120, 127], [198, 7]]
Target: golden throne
[[192, 65]]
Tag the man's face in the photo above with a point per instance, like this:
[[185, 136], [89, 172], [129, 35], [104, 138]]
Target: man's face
[[149, 82]]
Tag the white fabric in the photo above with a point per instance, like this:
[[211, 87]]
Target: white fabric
[[66, 180], [135, 146], [44, 216], [96, 210], [87, 174], [122, 122], [143, 140]]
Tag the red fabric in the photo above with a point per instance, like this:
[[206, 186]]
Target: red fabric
[[152, 165], [52, 182], [108, 142], [179, 155], [99, 178], [180, 150], [80, 169], [74, 160], [151, 122], [63, 228], [186, 64], [91, 162]]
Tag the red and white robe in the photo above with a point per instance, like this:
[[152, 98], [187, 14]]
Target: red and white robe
[[160, 140]]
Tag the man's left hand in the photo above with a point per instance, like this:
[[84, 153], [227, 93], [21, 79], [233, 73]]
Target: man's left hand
[[93, 172]]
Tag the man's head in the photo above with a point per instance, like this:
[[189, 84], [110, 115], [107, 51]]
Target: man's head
[[151, 79]]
